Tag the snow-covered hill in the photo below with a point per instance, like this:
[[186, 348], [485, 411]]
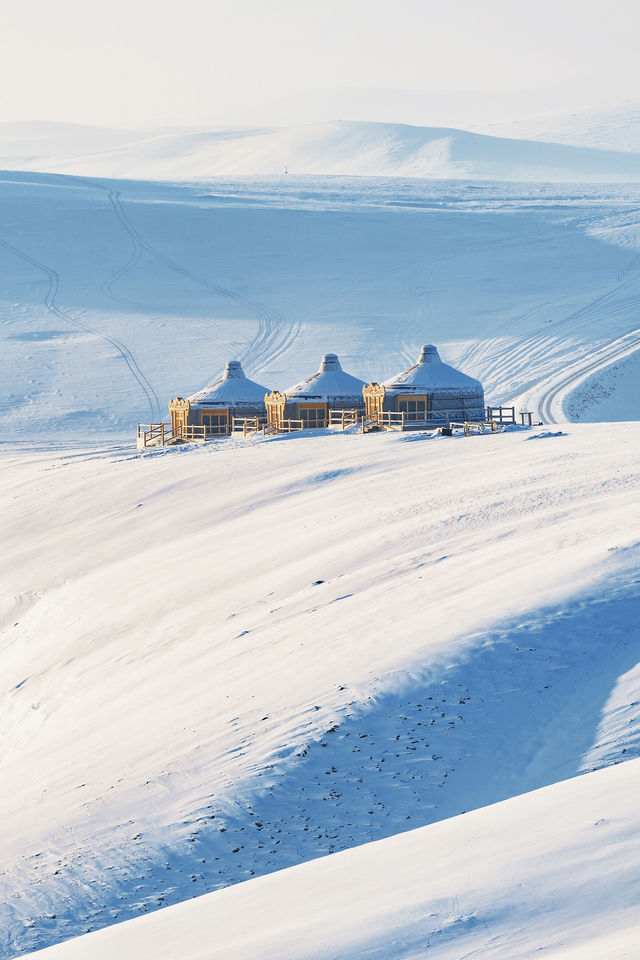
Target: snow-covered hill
[[223, 661], [512, 880], [616, 128], [116, 296], [348, 148], [41, 146]]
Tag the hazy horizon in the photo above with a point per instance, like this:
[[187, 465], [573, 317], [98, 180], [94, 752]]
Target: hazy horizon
[[243, 63]]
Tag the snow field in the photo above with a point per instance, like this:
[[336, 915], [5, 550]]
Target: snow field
[[223, 662], [118, 296], [251, 654]]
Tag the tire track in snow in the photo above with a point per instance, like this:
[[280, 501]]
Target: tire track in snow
[[602, 360], [52, 307], [273, 337], [134, 259], [508, 359]]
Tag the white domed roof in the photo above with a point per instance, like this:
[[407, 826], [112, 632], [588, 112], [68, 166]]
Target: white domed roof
[[233, 389], [430, 374], [330, 382]]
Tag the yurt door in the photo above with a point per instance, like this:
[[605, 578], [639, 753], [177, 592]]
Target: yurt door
[[216, 423], [414, 408], [313, 415]]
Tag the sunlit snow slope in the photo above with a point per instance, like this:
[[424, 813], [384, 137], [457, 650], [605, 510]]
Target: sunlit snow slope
[[224, 661], [505, 882], [348, 148], [615, 128], [116, 296]]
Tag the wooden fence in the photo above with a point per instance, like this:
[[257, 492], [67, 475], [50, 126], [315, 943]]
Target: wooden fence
[[501, 414], [161, 434], [246, 425], [154, 434], [344, 418]]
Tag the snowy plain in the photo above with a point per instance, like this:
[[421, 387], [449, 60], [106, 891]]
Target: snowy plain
[[224, 663]]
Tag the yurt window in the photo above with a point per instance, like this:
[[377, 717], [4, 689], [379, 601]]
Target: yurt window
[[216, 422], [414, 408], [313, 415]]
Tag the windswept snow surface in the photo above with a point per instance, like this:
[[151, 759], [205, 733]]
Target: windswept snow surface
[[224, 661], [116, 296], [553, 871]]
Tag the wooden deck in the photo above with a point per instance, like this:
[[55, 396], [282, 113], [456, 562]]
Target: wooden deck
[[497, 419]]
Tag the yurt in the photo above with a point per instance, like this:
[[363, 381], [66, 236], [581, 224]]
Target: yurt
[[430, 393], [211, 411], [307, 405]]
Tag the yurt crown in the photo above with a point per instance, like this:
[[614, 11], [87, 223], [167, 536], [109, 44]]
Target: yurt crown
[[233, 369], [428, 354], [330, 362]]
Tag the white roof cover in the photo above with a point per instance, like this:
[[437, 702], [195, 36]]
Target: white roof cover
[[430, 374], [328, 383], [233, 389]]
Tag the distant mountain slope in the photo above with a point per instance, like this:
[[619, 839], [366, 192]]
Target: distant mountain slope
[[617, 128], [340, 148], [41, 145]]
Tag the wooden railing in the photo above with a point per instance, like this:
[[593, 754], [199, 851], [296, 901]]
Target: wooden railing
[[501, 414], [344, 418], [190, 432], [391, 419], [476, 426], [287, 426], [400, 420], [245, 425], [154, 434]]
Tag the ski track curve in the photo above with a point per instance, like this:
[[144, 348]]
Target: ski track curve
[[547, 399], [122, 348], [508, 359], [136, 255], [273, 336]]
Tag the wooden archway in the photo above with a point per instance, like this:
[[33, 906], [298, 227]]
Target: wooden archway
[[179, 410], [275, 403], [374, 395]]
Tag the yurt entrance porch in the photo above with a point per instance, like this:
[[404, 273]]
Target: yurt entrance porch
[[311, 416], [411, 412]]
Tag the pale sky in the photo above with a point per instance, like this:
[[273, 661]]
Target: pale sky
[[203, 62]]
